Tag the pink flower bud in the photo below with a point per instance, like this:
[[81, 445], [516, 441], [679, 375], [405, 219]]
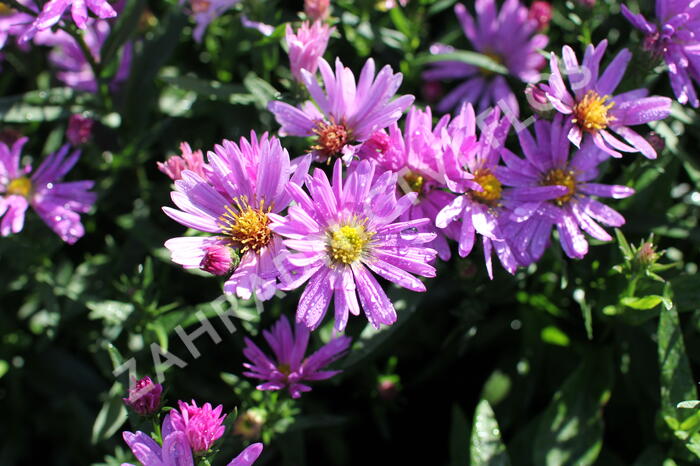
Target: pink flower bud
[[144, 397], [541, 12], [537, 98], [217, 260], [432, 91], [188, 160], [317, 10], [201, 425], [79, 129]]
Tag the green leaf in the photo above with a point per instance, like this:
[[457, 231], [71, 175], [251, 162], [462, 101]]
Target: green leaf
[[554, 336], [112, 415], [486, 447], [459, 433], [212, 90], [464, 56], [689, 404], [677, 382], [112, 312], [260, 89], [126, 24], [624, 245], [644, 303], [570, 431]]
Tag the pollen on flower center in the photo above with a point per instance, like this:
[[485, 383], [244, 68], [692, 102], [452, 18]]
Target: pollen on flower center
[[248, 227], [347, 243], [559, 177], [21, 186], [591, 113], [414, 181], [332, 137], [491, 186]]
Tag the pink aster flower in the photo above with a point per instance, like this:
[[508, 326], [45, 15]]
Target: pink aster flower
[[289, 368], [176, 449], [347, 112], [187, 160], [53, 10], [416, 155], [70, 61], [548, 163], [595, 110], [507, 36], [481, 210], [202, 425], [144, 397], [675, 37], [246, 185], [307, 46], [344, 231], [317, 10], [59, 204]]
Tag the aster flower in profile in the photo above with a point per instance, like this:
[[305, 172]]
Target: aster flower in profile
[[593, 107], [52, 11], [290, 368], [344, 231], [479, 210], [509, 37], [245, 185], [548, 163], [59, 204], [187, 160], [674, 37], [144, 396], [205, 11], [346, 112], [73, 68], [306, 46], [416, 156], [176, 433]]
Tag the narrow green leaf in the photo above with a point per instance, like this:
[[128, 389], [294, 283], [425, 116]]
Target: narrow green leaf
[[464, 56], [126, 24], [486, 447], [112, 415], [570, 431], [643, 303]]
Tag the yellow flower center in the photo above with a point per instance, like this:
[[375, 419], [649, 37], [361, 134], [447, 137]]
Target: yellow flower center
[[559, 177], [414, 181], [5, 10], [591, 113], [492, 188], [331, 137], [494, 57], [347, 243], [248, 227], [285, 369], [21, 186]]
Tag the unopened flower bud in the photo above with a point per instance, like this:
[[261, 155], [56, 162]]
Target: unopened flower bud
[[144, 397], [541, 12], [249, 424], [388, 387], [217, 260], [79, 129], [432, 91], [537, 98], [656, 141], [317, 9]]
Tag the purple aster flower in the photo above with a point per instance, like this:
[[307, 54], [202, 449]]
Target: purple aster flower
[[416, 155], [347, 112], [206, 11], [289, 368], [676, 39], [144, 397], [59, 204], [72, 65], [480, 209], [547, 163], [306, 46], [246, 184], [595, 110], [509, 37], [13, 22], [344, 231], [52, 11], [176, 449]]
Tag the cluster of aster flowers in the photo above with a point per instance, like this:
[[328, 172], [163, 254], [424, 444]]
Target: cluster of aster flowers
[[187, 433]]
